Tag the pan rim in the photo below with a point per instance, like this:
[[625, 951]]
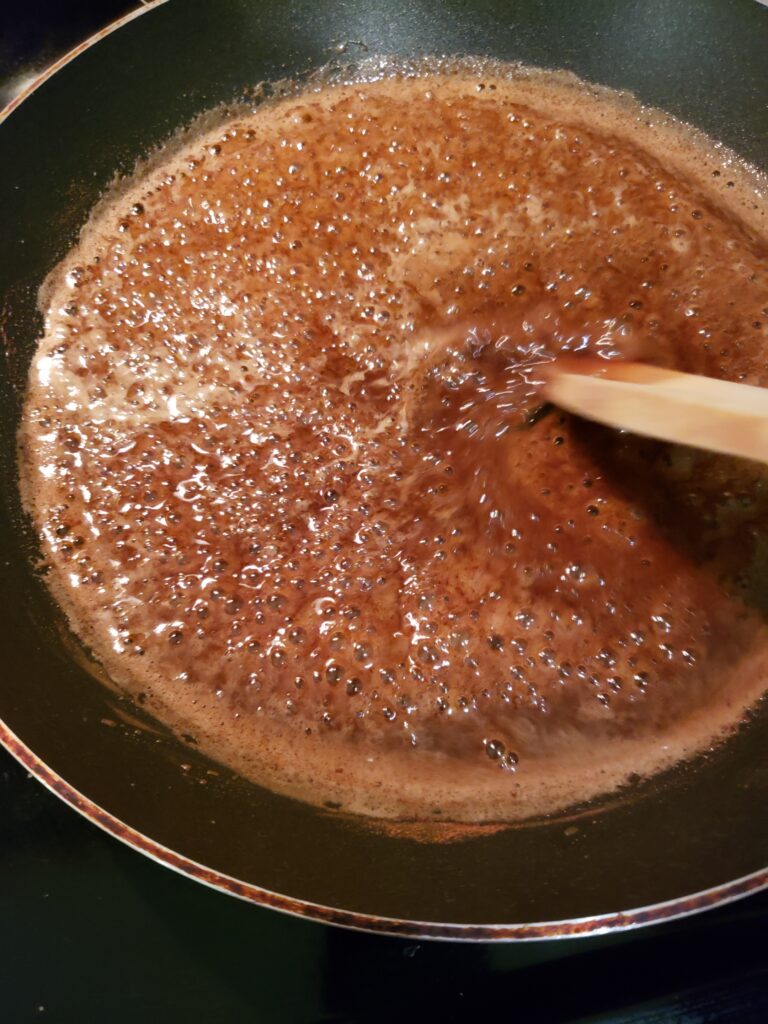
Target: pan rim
[[48, 72], [602, 924]]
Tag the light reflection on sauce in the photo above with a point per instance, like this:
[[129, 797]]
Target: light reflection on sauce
[[337, 547]]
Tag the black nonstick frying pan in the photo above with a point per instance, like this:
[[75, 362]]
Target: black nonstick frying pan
[[690, 839]]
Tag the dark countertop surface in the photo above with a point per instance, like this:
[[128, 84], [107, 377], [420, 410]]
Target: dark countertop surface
[[93, 931]]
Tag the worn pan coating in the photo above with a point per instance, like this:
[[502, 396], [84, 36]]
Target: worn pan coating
[[697, 837]]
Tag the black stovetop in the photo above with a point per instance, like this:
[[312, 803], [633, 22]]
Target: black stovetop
[[93, 931]]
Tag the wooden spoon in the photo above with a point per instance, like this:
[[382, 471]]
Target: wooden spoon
[[704, 412]]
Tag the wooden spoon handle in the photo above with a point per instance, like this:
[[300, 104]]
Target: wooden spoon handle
[[718, 415]]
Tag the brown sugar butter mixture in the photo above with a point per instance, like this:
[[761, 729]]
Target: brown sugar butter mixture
[[283, 447]]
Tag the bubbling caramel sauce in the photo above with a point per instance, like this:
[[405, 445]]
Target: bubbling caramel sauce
[[282, 444]]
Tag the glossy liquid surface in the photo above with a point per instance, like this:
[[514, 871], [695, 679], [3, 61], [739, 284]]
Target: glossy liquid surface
[[283, 448]]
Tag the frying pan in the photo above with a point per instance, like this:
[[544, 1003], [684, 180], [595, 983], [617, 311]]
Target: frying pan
[[691, 838]]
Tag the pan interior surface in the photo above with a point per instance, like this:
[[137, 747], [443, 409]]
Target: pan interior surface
[[691, 831]]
